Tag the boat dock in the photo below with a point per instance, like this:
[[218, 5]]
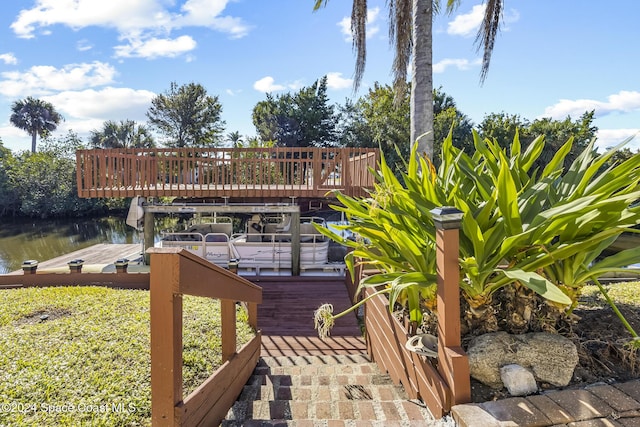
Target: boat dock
[[97, 258]]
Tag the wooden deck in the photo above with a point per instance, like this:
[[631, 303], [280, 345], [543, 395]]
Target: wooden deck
[[286, 318], [267, 173], [101, 256]]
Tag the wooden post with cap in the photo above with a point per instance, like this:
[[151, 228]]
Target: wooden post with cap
[[453, 362]]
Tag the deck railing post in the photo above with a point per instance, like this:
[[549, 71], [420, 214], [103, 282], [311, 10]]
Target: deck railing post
[[252, 314], [166, 338], [453, 362], [228, 315]]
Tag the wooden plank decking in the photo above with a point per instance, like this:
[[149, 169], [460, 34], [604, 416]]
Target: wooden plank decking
[[99, 254], [286, 318]]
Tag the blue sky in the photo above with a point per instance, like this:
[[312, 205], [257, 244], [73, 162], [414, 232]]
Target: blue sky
[[96, 60]]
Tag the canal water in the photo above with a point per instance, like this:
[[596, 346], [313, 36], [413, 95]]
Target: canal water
[[39, 239], [45, 239]]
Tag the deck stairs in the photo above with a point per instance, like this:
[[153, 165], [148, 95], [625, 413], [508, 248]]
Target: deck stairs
[[329, 390], [303, 381]]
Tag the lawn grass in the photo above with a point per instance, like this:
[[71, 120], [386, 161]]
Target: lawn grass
[[73, 356], [622, 293]]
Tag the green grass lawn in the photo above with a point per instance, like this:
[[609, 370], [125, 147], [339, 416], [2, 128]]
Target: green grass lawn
[[74, 356]]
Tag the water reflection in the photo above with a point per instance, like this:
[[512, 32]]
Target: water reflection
[[46, 239]]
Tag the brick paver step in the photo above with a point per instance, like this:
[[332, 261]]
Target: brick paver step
[[337, 390]]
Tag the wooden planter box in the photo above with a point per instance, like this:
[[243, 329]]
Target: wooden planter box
[[421, 378]]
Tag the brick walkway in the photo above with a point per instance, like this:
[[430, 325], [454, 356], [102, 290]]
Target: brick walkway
[[332, 391], [598, 405], [302, 381]]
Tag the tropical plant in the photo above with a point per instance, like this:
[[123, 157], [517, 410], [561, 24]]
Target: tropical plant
[[410, 31], [187, 116], [529, 240], [36, 117], [122, 134], [503, 128], [235, 139]]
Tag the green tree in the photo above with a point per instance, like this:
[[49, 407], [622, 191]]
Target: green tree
[[187, 116], [503, 127], [9, 200], [122, 134], [45, 182], [303, 119], [36, 117], [410, 30], [379, 120]]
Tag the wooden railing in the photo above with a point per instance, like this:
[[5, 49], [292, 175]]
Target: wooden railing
[[175, 272], [224, 172], [441, 384], [119, 279]]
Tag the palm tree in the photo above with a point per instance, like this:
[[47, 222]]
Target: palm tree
[[235, 139], [35, 116], [123, 134], [410, 31]]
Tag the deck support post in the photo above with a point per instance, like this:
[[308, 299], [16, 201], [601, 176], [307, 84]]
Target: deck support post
[[295, 243], [149, 233]]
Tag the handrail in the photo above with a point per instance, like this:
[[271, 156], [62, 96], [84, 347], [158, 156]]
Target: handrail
[[221, 172], [175, 272]]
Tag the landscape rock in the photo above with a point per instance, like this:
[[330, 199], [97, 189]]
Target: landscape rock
[[519, 381], [551, 357]]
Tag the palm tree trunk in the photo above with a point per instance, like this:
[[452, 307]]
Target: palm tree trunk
[[34, 135], [422, 77]]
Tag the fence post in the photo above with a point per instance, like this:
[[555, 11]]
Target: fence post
[[166, 338], [453, 362]]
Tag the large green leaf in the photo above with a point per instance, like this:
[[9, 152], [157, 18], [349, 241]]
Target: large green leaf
[[539, 285]]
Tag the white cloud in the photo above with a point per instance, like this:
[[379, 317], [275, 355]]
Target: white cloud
[[232, 92], [337, 82], [372, 24], [467, 24], [125, 15], [148, 21], [267, 84], [84, 45], [607, 138], [43, 79], [155, 47], [87, 110], [206, 13], [623, 101], [9, 58], [108, 103], [460, 64]]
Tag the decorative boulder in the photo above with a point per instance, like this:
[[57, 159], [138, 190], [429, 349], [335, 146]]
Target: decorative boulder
[[551, 357]]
